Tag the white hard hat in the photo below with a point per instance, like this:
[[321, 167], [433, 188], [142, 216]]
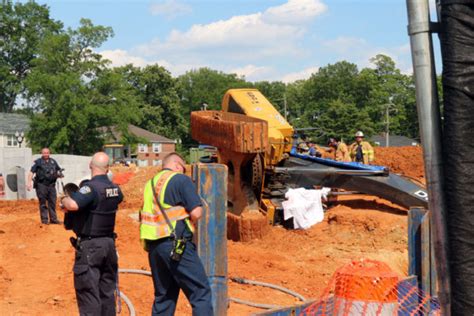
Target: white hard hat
[[359, 134]]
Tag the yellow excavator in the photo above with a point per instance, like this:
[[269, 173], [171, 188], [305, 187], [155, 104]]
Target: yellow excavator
[[258, 145]]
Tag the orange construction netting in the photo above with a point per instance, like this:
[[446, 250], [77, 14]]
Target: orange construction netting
[[369, 287]]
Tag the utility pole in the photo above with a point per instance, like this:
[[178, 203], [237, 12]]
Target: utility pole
[[285, 105], [430, 128]]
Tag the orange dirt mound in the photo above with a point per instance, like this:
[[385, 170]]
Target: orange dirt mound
[[122, 178], [36, 260], [407, 161]]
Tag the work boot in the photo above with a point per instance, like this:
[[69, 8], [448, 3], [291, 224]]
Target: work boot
[[55, 222]]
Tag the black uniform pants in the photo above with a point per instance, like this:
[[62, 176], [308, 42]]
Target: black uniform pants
[[47, 202], [95, 276]]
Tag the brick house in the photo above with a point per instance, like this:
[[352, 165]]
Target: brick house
[[150, 153]]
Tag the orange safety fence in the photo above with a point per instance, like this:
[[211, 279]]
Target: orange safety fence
[[369, 287]]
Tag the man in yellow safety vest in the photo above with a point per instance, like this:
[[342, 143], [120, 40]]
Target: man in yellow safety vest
[[171, 207]]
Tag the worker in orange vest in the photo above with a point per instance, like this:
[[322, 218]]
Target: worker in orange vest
[[361, 151]]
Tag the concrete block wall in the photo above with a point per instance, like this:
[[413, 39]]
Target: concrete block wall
[[76, 168], [18, 161], [15, 161]]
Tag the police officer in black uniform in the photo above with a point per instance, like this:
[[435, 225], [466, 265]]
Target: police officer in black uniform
[[46, 171], [96, 262]]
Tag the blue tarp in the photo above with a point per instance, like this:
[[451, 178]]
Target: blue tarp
[[337, 164]]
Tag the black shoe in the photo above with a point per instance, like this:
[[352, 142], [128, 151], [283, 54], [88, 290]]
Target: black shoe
[[55, 222]]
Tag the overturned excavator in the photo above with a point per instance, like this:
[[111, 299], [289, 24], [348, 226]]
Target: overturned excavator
[[257, 144]]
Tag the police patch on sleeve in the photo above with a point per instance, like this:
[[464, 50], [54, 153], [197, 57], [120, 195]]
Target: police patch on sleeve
[[85, 190]]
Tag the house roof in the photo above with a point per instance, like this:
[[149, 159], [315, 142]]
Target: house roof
[[394, 140], [116, 135], [12, 122]]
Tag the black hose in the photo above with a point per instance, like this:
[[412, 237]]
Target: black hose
[[232, 299], [269, 285], [252, 304]]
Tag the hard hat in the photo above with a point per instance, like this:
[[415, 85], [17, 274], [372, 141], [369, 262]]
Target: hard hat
[[303, 146], [359, 134]]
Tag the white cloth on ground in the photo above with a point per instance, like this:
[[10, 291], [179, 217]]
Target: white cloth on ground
[[305, 206]]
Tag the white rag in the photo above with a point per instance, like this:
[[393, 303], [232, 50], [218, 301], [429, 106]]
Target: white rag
[[305, 206]]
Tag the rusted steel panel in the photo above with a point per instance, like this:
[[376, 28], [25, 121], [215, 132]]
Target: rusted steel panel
[[211, 236], [230, 131]]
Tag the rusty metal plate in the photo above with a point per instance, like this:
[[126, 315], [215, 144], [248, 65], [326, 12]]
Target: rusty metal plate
[[230, 131]]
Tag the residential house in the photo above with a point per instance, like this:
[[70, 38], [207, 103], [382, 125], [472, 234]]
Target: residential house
[[150, 153], [10, 124]]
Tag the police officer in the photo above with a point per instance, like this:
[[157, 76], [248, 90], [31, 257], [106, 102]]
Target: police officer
[[46, 171], [172, 255], [95, 264]]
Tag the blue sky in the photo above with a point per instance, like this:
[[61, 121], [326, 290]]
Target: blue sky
[[261, 40]]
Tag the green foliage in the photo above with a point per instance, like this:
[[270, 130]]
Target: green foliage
[[336, 89], [74, 94], [159, 100], [343, 120], [71, 92], [23, 27], [208, 86]]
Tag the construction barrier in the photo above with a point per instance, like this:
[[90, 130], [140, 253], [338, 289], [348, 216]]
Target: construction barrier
[[369, 287], [365, 287]]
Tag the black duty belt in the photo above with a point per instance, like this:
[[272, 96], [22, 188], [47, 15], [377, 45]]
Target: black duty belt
[[88, 237]]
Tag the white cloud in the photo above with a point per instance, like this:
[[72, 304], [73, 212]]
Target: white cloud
[[170, 8], [275, 32], [252, 72], [120, 57], [294, 12], [359, 51], [243, 44], [300, 75]]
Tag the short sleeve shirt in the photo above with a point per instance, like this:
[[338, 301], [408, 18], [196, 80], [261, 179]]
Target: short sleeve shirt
[[182, 191], [37, 163], [86, 196]]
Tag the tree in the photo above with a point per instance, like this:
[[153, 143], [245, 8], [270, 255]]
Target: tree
[[74, 93], [333, 82], [23, 26], [159, 100], [208, 86], [389, 89]]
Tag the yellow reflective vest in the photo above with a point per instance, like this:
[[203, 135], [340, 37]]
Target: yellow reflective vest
[[153, 224], [367, 152]]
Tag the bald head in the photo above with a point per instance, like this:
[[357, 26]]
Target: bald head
[[174, 162], [99, 163]]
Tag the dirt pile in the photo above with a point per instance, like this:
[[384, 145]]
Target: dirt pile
[[36, 260], [407, 161]]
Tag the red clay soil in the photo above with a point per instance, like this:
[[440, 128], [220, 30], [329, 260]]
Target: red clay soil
[[36, 260], [407, 161]]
